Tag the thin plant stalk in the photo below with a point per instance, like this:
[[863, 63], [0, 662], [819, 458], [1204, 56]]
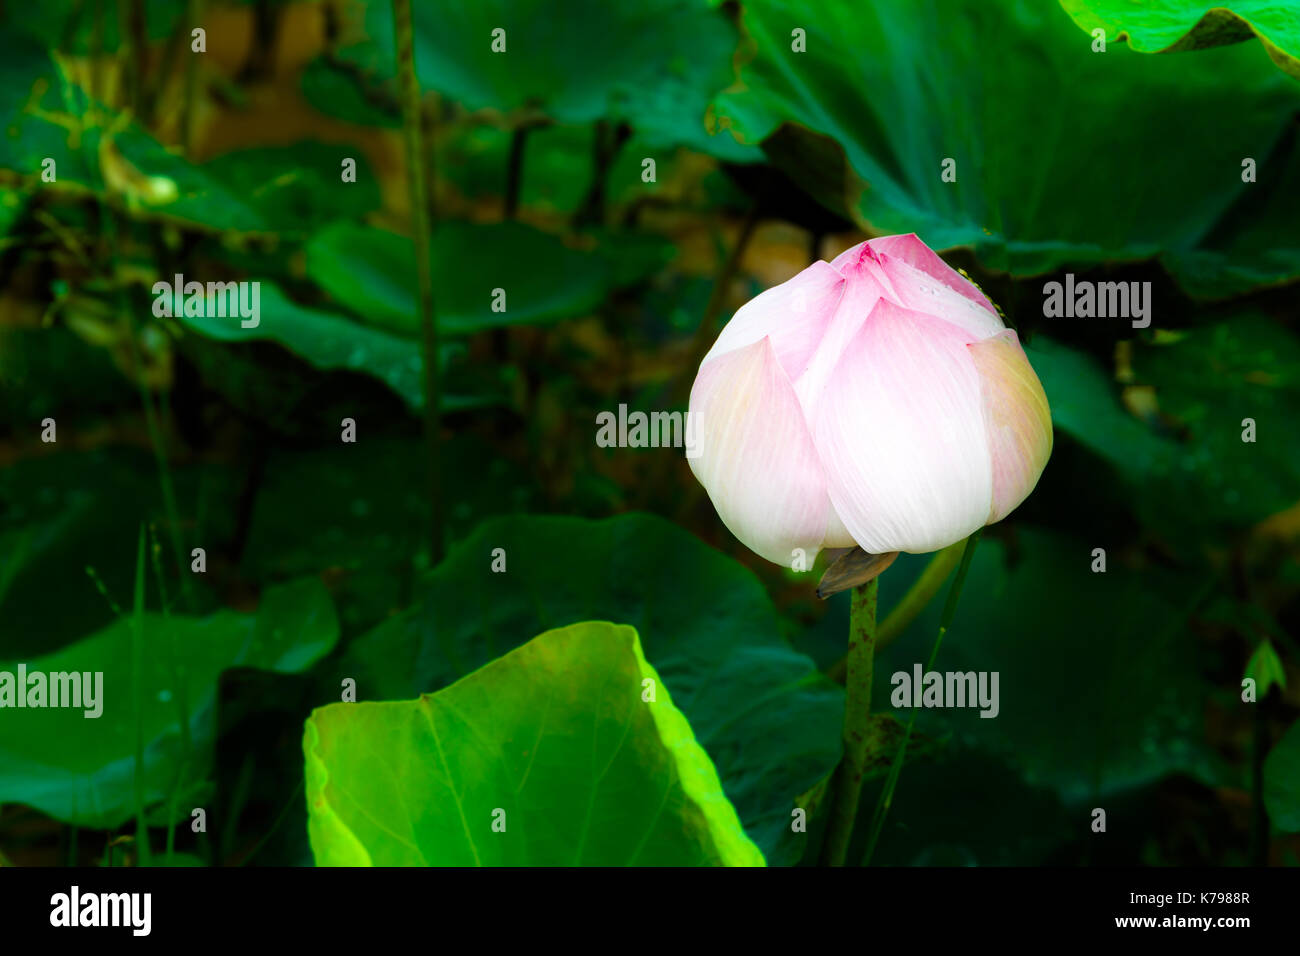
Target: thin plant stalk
[[151, 418], [887, 794], [706, 331], [418, 181], [137, 692], [515, 171], [280, 818], [109, 233], [189, 90], [182, 703]]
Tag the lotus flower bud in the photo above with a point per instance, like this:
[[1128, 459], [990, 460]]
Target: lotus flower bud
[[875, 400]]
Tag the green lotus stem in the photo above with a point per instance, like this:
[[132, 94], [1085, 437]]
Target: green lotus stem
[[152, 418], [419, 189], [515, 170], [182, 707], [920, 594], [191, 79], [137, 691], [847, 785], [131, 25], [949, 609]]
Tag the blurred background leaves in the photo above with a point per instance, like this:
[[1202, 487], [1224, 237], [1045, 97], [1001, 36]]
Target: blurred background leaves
[[779, 131]]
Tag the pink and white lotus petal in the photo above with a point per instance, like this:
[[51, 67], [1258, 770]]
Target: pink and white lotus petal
[[794, 315], [917, 279], [863, 289], [901, 435], [758, 463], [911, 251], [1017, 419]]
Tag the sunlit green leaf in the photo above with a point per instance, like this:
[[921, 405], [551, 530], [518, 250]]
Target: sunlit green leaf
[[566, 751], [1173, 26]]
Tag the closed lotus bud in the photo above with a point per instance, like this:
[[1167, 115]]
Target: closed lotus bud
[[875, 400]]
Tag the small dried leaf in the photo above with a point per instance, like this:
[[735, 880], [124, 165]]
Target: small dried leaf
[[856, 567]]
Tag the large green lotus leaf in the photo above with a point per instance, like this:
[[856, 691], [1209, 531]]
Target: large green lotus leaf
[[1148, 469], [331, 341], [1209, 381], [1282, 781], [1000, 819], [372, 273], [81, 770], [1198, 475], [1062, 155], [1255, 243], [567, 751], [1085, 403], [651, 63], [1099, 686], [1171, 26], [768, 720], [65, 512]]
